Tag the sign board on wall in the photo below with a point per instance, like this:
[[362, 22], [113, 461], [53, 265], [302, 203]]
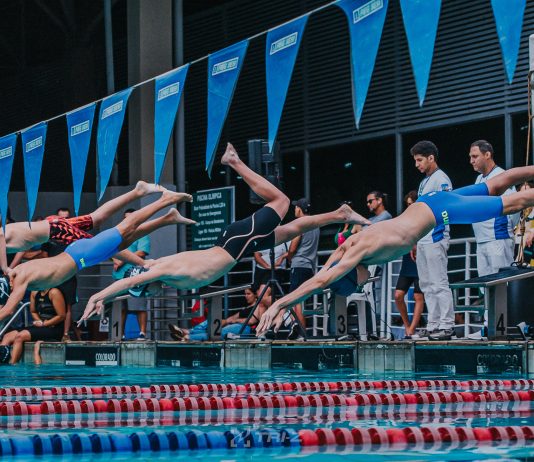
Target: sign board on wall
[[213, 210]]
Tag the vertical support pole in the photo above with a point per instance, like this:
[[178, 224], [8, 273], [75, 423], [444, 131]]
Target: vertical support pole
[[508, 141], [531, 69], [179, 143], [307, 188], [399, 182], [110, 69], [110, 74]]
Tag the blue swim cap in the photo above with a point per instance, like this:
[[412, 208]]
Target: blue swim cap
[[137, 291]]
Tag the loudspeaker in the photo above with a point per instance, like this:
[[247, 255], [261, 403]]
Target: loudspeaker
[[267, 163]]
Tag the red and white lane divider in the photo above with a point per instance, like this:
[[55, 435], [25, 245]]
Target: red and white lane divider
[[193, 403], [444, 413], [232, 389], [422, 437]]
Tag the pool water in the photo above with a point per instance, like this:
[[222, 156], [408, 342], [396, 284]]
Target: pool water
[[242, 420]]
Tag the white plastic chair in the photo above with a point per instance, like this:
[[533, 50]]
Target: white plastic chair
[[367, 295]]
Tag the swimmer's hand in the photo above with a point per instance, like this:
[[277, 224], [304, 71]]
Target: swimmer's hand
[[268, 319], [92, 308]]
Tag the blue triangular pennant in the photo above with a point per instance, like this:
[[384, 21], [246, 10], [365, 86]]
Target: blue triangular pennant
[[33, 145], [168, 92], [509, 20], [79, 127], [8, 146], [421, 19], [224, 67], [366, 21], [282, 46], [110, 121]]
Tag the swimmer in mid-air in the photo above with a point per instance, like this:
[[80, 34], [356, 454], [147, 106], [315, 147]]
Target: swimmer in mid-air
[[198, 268], [23, 235], [47, 273], [346, 268]]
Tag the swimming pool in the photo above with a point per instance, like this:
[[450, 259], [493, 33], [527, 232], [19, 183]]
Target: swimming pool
[[240, 415]]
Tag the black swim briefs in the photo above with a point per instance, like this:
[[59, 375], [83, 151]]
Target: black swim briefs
[[252, 234]]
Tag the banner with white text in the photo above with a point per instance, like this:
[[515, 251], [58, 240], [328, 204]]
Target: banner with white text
[[282, 47], [168, 89], [110, 122], [33, 145], [366, 22], [79, 128], [8, 145], [509, 20], [421, 18], [224, 68]]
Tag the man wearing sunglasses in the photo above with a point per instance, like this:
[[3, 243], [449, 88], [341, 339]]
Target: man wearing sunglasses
[[377, 203]]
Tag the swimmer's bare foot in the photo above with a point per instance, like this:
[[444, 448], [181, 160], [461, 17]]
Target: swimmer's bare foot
[[173, 216], [143, 188], [230, 155], [176, 197], [350, 216]]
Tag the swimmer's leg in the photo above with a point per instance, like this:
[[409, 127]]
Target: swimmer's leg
[[343, 214], [275, 198], [172, 217], [500, 183], [127, 227], [112, 206], [513, 203]]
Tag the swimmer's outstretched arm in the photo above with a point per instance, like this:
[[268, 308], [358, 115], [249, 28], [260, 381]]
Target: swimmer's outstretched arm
[[97, 301], [17, 294], [129, 257], [314, 285]]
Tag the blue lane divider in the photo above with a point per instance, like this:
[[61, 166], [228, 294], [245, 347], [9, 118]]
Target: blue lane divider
[[5, 447], [61, 444], [42, 444], [154, 441], [22, 445], [177, 440], [81, 444]]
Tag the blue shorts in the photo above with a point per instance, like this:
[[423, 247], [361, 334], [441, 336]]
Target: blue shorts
[[463, 206], [90, 252]]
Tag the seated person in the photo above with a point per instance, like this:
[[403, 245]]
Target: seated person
[[233, 324], [47, 308]]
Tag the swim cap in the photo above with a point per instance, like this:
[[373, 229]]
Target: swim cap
[[137, 291]]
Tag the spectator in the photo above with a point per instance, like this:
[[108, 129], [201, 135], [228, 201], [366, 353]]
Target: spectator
[[70, 286], [494, 238], [346, 230], [47, 308], [141, 247], [432, 249], [377, 203], [262, 268], [230, 326], [302, 255], [407, 277]]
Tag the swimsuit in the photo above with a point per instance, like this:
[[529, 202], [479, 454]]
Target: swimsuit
[[90, 252], [467, 205], [68, 230], [251, 234]]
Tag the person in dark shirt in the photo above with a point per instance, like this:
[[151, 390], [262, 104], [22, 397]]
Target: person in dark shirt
[[47, 308]]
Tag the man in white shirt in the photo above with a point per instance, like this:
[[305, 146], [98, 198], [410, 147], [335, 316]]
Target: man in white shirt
[[495, 243], [432, 249]]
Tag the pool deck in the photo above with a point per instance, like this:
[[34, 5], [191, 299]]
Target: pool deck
[[462, 357]]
